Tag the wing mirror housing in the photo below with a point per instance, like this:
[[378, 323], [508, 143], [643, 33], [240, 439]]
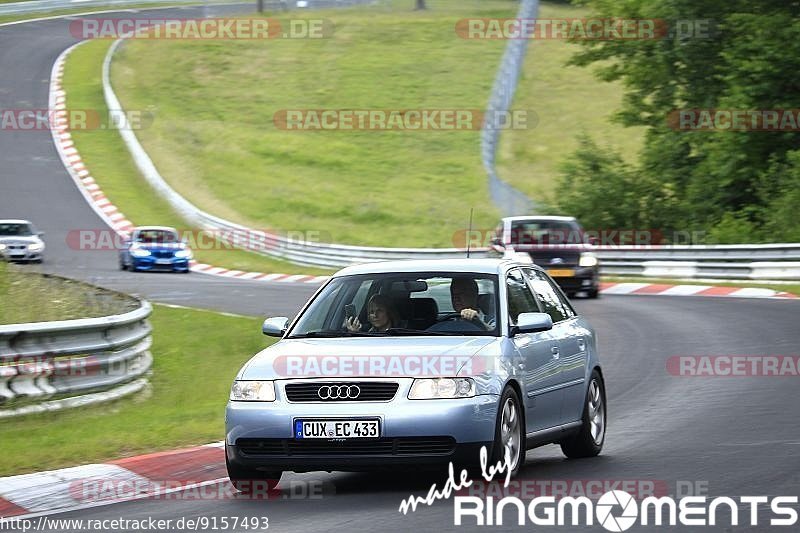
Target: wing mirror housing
[[275, 327], [532, 323]]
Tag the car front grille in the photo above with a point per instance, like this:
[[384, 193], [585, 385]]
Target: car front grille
[[368, 391], [163, 254], [401, 446]]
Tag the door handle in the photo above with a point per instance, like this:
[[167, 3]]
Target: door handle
[[556, 352]]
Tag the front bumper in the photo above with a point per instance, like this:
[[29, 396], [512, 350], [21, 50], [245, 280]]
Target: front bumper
[[413, 432], [21, 255], [152, 263], [584, 279]]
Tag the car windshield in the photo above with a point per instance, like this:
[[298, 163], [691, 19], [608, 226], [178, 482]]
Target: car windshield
[[157, 236], [402, 304], [15, 229], [546, 232]]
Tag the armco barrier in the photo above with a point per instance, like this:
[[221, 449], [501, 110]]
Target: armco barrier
[[52, 365]]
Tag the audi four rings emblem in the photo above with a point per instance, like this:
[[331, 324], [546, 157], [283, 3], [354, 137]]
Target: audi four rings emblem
[[339, 392]]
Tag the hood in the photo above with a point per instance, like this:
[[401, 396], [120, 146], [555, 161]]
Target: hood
[[364, 357]]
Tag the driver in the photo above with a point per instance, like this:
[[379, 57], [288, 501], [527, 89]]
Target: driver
[[464, 297]]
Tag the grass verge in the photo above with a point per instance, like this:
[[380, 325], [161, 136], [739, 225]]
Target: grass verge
[[569, 101], [793, 288], [196, 356], [214, 138], [110, 163], [33, 297]]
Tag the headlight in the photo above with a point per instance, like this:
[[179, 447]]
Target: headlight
[[432, 389], [36, 247], [183, 254], [139, 252], [2, 247], [253, 391], [588, 259]]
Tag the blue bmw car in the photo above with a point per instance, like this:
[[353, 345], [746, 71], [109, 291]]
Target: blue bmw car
[[155, 248], [418, 363]]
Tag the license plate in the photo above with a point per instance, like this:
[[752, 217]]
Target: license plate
[[561, 273], [163, 261], [337, 428]]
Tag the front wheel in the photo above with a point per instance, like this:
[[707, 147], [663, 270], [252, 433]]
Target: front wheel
[[588, 441], [509, 433]]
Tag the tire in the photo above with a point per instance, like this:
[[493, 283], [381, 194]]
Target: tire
[[589, 440], [250, 480], [593, 294], [504, 432], [122, 266]]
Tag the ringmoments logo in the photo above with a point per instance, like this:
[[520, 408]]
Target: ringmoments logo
[[618, 510]]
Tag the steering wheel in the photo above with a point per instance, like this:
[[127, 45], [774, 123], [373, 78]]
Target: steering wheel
[[455, 322]]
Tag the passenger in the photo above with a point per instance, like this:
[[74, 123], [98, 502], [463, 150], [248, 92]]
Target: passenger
[[381, 314], [464, 297]]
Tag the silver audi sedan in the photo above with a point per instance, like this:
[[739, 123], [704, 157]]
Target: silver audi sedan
[[418, 363]]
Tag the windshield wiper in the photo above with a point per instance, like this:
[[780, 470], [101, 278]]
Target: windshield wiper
[[332, 333]]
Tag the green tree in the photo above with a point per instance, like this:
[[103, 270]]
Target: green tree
[[725, 182]]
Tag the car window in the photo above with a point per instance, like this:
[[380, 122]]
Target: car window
[[16, 230], [545, 232], [548, 295], [157, 236], [520, 298], [413, 302]]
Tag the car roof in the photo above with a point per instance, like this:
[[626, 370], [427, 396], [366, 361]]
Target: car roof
[[475, 266], [14, 221], [537, 217], [155, 228]]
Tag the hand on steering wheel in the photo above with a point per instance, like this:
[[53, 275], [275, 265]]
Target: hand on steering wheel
[[467, 315]]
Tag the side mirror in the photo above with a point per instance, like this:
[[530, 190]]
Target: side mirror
[[40, 234], [275, 327], [532, 323]]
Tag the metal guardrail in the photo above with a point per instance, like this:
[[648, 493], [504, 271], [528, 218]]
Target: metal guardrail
[[37, 6], [73, 362], [510, 200], [40, 6]]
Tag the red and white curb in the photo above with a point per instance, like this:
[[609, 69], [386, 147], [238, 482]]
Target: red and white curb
[[155, 475], [104, 208], [656, 289]]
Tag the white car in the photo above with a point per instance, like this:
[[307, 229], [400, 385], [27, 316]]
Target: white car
[[20, 241]]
